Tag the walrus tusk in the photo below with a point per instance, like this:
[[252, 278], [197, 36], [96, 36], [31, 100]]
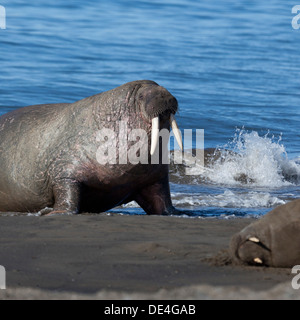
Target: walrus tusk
[[176, 131], [154, 135], [258, 260], [254, 239]]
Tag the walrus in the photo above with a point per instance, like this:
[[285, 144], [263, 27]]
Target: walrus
[[50, 160], [272, 241]]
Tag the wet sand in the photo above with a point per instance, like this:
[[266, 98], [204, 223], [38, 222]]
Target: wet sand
[[109, 256]]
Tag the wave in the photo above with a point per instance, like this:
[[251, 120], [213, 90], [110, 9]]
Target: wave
[[250, 175], [249, 159], [228, 199]]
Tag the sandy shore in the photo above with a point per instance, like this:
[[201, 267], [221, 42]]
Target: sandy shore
[[102, 256]]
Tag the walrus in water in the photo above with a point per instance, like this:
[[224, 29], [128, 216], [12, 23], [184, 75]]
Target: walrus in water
[[49, 154], [273, 241]]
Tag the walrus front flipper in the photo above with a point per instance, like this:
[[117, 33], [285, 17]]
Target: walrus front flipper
[[156, 199], [66, 197]]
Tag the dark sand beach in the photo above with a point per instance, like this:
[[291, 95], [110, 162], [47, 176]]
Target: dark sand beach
[[115, 257]]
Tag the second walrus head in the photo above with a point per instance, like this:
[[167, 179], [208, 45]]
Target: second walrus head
[[272, 241]]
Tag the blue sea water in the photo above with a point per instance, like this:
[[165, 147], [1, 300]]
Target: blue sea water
[[233, 66]]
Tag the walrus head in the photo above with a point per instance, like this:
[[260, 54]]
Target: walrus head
[[271, 241], [157, 105]]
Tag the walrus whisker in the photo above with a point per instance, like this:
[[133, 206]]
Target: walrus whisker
[[160, 111]]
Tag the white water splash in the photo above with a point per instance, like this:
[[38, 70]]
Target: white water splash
[[228, 199], [257, 161]]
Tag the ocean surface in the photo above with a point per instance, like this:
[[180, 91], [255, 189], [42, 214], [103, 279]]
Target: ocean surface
[[233, 65]]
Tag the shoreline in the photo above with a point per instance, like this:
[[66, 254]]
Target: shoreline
[[88, 254]]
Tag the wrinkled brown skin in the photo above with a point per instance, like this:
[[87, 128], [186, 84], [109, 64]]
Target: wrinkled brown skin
[[48, 154], [279, 235]]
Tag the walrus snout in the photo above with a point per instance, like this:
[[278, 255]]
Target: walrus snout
[[158, 105], [156, 101]]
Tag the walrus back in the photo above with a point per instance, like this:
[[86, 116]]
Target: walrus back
[[25, 136]]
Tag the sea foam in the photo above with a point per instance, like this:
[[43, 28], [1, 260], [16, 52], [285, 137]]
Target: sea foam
[[227, 199], [255, 160], [249, 159]]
